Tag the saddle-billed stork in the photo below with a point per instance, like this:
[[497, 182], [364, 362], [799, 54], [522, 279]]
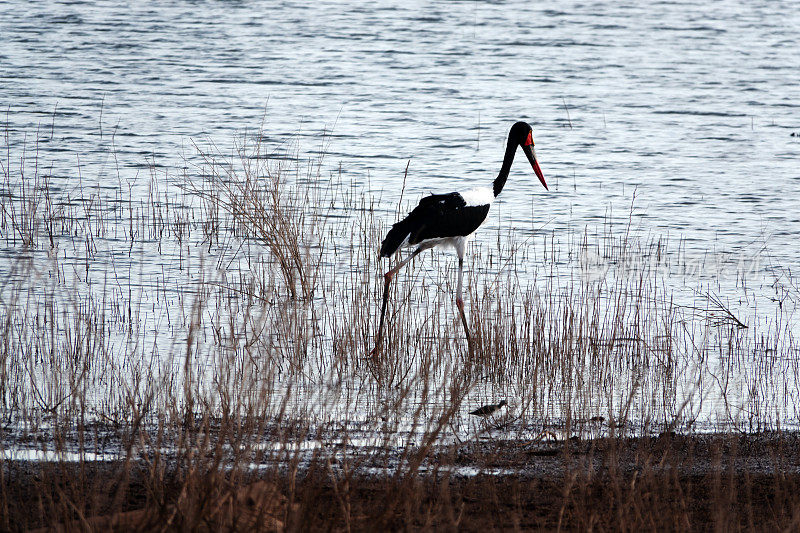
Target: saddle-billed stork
[[451, 219]]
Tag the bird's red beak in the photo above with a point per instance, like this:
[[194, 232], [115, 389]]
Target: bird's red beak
[[531, 155]]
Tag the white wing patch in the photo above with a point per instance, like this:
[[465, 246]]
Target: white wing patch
[[478, 196]]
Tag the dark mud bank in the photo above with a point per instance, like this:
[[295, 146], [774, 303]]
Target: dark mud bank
[[667, 482]]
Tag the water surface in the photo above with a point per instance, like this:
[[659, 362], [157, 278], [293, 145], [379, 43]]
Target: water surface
[[681, 110]]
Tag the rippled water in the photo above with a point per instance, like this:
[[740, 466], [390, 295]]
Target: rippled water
[[691, 105]]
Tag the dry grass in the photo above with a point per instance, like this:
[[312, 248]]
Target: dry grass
[[206, 331]]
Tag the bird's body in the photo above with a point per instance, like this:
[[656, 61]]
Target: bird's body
[[451, 219], [441, 219], [488, 410]]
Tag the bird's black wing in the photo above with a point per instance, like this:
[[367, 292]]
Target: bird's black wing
[[436, 216], [483, 411], [458, 221]]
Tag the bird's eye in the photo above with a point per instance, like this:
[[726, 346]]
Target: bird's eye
[[529, 140]]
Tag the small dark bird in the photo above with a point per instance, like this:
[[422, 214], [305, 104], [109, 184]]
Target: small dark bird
[[488, 410], [451, 219]]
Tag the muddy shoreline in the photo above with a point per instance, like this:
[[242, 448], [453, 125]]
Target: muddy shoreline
[[673, 482]]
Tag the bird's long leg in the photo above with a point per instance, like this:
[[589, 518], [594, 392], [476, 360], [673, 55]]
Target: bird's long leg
[[460, 301], [387, 279]]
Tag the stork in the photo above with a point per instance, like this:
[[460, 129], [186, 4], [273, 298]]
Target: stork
[[451, 219]]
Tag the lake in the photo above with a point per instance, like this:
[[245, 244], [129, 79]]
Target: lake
[[671, 119]]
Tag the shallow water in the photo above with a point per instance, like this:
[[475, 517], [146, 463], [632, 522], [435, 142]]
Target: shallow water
[[689, 105]]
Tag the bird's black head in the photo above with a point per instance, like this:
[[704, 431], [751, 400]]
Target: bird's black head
[[521, 134], [503, 402]]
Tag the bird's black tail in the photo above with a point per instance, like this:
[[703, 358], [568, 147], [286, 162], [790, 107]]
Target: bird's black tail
[[395, 238]]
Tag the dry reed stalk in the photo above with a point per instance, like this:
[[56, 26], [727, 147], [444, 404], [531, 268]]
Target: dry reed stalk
[[244, 351]]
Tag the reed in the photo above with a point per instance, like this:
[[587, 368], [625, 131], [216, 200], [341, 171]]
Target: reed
[[191, 351]]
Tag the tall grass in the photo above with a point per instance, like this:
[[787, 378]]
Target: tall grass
[[214, 330]]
